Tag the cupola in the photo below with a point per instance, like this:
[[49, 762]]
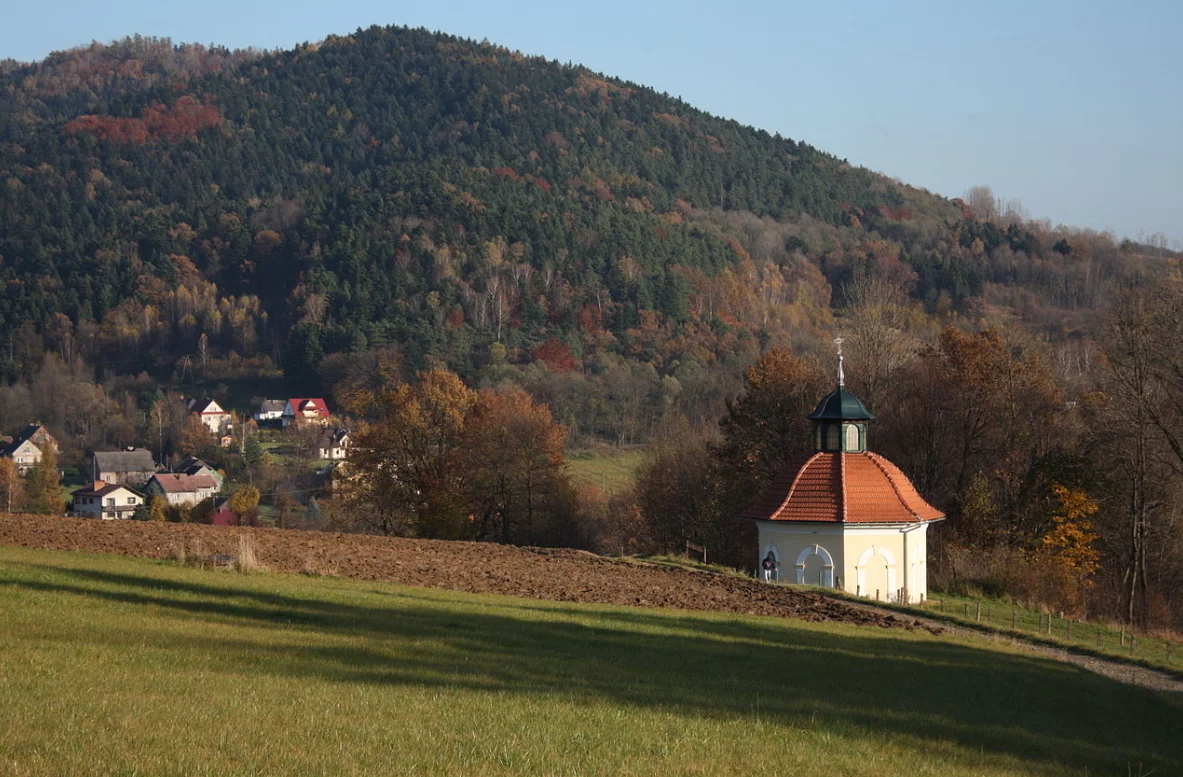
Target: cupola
[[840, 420]]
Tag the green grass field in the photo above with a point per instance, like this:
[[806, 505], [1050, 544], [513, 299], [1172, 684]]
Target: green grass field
[[1106, 639], [611, 470], [124, 666]]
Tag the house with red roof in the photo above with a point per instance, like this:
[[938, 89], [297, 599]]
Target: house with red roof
[[181, 489], [305, 410], [845, 517]]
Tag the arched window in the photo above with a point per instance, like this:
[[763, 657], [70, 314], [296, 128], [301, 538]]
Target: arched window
[[833, 439], [851, 444]]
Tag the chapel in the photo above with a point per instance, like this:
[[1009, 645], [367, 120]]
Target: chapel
[[846, 517]]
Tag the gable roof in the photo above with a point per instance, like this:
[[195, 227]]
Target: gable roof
[[136, 460], [272, 406], [300, 406], [108, 488], [843, 488], [191, 465], [33, 434], [177, 483], [204, 406]]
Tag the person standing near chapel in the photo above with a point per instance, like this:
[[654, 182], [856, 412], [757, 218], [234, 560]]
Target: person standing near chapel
[[769, 567]]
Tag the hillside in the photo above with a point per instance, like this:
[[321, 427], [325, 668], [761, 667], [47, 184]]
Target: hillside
[[396, 187], [230, 674]]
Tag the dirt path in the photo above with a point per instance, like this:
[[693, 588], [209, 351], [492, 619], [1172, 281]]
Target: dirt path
[[554, 574]]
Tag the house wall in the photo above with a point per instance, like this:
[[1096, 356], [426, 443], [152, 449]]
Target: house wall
[[884, 560], [125, 478], [96, 506], [26, 456]]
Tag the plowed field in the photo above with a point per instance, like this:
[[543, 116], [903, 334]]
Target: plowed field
[[537, 573]]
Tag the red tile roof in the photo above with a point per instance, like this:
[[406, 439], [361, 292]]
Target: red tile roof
[[301, 405], [843, 488], [184, 484]]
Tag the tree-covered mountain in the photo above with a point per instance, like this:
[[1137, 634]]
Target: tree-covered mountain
[[402, 188]]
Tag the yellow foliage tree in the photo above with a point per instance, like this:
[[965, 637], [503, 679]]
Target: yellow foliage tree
[[1067, 552], [243, 501], [158, 511]]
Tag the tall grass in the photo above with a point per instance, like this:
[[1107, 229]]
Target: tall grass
[[247, 561], [126, 666]]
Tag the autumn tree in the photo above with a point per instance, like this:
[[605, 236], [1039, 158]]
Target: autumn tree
[[194, 437], [1066, 553], [158, 511], [404, 474], [767, 427], [517, 483], [244, 502], [11, 488], [43, 493], [876, 343]]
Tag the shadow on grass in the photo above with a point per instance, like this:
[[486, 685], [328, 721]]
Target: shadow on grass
[[915, 688]]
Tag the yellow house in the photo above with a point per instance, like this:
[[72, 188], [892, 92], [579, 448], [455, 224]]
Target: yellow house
[[845, 517]]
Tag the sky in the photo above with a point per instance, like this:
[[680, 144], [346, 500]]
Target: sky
[[1074, 108]]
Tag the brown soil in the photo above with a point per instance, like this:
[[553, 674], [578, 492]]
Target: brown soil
[[554, 574]]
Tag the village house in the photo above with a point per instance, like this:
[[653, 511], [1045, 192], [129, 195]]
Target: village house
[[332, 444], [217, 420], [180, 489], [27, 448], [309, 410], [131, 467], [270, 410], [106, 501], [845, 517], [191, 465]]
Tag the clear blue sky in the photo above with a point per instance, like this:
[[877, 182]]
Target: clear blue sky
[[1074, 108]]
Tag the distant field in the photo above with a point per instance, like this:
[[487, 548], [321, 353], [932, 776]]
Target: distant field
[[610, 470], [128, 666]]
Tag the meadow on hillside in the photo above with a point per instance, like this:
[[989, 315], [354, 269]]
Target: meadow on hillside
[[109, 665]]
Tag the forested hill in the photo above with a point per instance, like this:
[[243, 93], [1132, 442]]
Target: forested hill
[[407, 189]]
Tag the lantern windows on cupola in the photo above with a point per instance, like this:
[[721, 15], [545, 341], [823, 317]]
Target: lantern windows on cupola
[[840, 420]]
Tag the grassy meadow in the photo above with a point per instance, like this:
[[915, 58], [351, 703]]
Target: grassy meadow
[[612, 470], [127, 666]]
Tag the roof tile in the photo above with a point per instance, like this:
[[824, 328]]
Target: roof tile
[[843, 488]]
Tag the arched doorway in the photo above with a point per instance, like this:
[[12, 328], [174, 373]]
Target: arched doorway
[[770, 549], [876, 574], [815, 566]]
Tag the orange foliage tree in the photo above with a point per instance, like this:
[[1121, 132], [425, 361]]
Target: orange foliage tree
[[518, 486]]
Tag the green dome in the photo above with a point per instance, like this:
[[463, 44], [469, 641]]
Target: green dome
[[841, 406]]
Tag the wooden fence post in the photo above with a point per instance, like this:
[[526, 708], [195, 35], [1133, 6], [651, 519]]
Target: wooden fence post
[[978, 617], [1014, 619]]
